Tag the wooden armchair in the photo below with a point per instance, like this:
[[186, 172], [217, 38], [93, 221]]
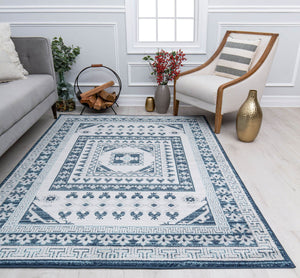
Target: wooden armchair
[[202, 88]]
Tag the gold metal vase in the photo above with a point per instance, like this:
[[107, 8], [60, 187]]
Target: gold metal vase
[[149, 105], [249, 118]]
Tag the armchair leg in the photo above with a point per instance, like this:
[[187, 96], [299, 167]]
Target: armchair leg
[[175, 108], [54, 111], [218, 122]]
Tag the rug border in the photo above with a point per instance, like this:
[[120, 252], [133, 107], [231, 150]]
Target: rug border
[[97, 264], [94, 264], [29, 151], [274, 237]]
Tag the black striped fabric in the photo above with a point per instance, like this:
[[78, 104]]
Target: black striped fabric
[[236, 57]]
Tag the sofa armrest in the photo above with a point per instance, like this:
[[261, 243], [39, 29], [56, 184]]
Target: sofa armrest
[[35, 54]]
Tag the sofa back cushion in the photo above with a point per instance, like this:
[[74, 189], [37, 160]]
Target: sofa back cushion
[[35, 54]]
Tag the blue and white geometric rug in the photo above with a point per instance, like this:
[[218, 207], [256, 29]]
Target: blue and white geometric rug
[[131, 192]]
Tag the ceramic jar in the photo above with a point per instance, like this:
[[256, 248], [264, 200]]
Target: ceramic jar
[[162, 99]]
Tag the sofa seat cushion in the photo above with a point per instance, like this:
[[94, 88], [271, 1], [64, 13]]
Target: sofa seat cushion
[[19, 97], [203, 87]]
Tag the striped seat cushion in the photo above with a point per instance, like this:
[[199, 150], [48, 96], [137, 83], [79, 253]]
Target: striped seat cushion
[[236, 57]]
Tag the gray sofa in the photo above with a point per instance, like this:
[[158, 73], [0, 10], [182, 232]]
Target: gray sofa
[[23, 102]]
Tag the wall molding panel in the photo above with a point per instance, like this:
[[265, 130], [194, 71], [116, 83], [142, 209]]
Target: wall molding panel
[[236, 24], [112, 25], [295, 74], [131, 65], [131, 83], [62, 9], [254, 9]]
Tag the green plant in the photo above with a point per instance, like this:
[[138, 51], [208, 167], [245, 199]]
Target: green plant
[[63, 57]]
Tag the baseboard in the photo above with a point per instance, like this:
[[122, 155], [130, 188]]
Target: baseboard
[[267, 101], [280, 101], [132, 100]]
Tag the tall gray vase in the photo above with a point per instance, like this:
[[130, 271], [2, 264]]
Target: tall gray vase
[[162, 99]]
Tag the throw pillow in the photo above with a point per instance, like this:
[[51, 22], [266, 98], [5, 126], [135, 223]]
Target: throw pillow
[[8, 47], [236, 57], [9, 69]]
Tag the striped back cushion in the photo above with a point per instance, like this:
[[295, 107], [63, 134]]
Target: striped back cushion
[[236, 57]]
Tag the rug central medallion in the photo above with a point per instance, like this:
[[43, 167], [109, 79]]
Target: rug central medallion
[[131, 191]]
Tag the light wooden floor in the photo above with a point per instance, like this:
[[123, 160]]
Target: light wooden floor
[[269, 167]]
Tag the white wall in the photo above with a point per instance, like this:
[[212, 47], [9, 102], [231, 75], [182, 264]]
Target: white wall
[[98, 27]]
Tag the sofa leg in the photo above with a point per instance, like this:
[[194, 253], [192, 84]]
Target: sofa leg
[[218, 122], [54, 111], [175, 108]]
